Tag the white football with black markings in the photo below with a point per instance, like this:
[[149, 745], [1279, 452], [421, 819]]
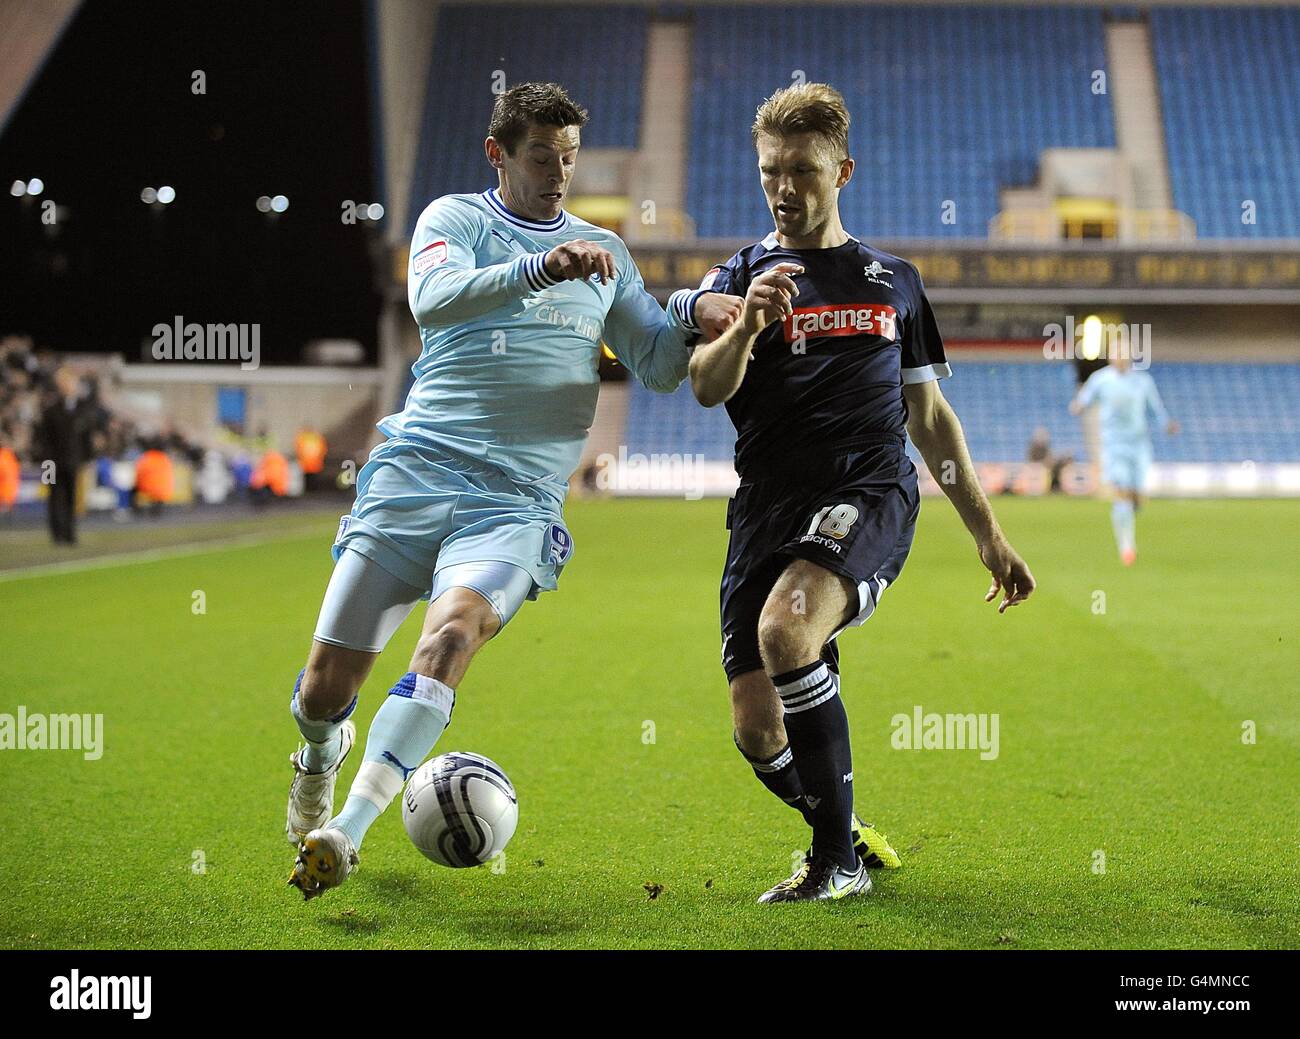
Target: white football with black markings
[[460, 809]]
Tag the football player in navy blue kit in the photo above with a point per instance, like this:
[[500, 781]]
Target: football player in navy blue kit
[[835, 358]]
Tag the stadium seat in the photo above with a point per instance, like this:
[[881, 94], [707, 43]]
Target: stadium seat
[[1229, 413], [948, 104], [1230, 91], [473, 45]]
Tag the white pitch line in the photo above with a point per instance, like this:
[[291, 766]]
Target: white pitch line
[[153, 555]]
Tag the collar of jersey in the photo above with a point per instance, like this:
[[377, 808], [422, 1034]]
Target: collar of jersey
[[499, 208], [772, 243]]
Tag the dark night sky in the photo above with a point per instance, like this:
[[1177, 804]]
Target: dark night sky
[[286, 112]]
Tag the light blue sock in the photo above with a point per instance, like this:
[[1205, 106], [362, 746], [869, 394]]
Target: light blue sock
[[404, 730], [322, 736], [1124, 522]]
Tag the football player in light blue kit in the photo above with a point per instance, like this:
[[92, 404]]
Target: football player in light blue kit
[[461, 505], [1126, 398]]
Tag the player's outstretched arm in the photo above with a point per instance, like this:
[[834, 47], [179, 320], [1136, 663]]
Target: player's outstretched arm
[[937, 434], [718, 368], [1085, 397], [652, 342], [1158, 411], [444, 285]]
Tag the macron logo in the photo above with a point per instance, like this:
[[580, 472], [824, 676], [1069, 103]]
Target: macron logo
[[95, 993], [843, 319]]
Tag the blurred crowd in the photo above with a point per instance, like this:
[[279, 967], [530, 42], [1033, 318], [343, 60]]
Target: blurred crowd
[[55, 420]]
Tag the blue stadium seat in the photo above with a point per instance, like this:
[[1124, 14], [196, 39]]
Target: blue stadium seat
[[473, 43], [1229, 413], [947, 104], [1230, 91]]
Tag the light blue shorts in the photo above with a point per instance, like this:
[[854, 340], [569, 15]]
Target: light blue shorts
[[1126, 467], [420, 509], [365, 605]]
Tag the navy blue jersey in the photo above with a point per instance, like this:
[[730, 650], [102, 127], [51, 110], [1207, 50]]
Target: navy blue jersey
[[829, 379]]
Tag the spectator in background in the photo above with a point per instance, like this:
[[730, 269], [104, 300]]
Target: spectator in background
[[1040, 451], [63, 437], [270, 478], [241, 470], [310, 448], [8, 475], [154, 480]]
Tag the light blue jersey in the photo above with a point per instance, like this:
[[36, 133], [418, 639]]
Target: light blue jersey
[[508, 372], [476, 465], [1127, 401]]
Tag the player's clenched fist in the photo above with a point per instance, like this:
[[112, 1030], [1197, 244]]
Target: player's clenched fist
[[715, 312], [579, 259], [769, 297]]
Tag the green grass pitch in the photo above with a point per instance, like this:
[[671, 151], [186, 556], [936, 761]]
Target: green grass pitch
[[1120, 732]]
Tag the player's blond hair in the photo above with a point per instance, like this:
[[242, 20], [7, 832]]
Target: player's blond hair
[[806, 108]]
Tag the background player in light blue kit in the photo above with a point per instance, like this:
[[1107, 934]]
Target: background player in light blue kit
[[1126, 398], [462, 503]]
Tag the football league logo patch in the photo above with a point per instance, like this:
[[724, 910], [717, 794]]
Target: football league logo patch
[[710, 279], [430, 256]]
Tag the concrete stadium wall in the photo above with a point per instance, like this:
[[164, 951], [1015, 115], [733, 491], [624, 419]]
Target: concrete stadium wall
[[343, 404]]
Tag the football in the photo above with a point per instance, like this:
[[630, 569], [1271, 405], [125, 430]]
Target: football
[[460, 809]]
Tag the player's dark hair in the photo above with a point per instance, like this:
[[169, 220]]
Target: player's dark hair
[[546, 104], [806, 108]]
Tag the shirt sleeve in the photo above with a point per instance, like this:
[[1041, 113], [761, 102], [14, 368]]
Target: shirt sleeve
[[648, 341], [1155, 404], [1088, 393], [726, 278], [923, 357], [443, 284], [723, 278]]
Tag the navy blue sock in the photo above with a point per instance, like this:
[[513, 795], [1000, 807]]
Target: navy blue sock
[[779, 775], [818, 730]]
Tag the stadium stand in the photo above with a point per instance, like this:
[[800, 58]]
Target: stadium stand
[[1230, 90], [472, 44], [948, 104], [1229, 413], [964, 100]]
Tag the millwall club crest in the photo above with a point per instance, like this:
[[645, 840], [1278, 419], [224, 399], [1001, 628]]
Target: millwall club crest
[[559, 545], [873, 272]]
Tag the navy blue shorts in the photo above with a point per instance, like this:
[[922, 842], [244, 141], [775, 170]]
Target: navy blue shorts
[[854, 515]]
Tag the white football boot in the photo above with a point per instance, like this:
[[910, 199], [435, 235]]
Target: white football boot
[[311, 797], [325, 859], [820, 879]]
